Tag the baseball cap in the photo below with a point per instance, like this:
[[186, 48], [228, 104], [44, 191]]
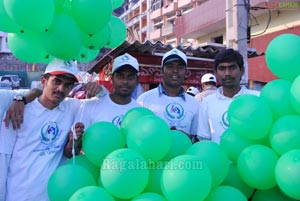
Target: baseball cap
[[192, 90], [61, 67], [174, 55], [123, 60], [208, 77]]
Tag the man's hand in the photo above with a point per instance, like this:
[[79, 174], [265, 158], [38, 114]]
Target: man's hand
[[92, 89], [15, 114], [79, 130]]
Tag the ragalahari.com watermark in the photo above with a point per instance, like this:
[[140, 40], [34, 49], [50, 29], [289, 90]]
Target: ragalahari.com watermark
[[282, 5], [129, 165]]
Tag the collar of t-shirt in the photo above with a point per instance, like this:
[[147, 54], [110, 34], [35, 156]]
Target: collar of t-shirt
[[161, 91], [240, 92]]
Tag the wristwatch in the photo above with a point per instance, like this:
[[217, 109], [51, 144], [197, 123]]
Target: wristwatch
[[20, 98]]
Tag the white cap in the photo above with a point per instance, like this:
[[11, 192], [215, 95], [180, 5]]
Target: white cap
[[60, 67], [192, 90], [208, 77], [172, 55], [123, 60]]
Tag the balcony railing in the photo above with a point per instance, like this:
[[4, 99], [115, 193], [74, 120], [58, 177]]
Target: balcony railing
[[155, 14], [155, 34], [168, 30]]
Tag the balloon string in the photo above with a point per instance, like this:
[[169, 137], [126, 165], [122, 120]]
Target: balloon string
[[74, 132], [73, 144]]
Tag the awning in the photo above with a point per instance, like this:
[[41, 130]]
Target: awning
[[149, 53]]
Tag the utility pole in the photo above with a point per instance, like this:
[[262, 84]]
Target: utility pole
[[237, 13]]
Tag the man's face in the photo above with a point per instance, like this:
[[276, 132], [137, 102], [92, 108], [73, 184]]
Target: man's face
[[56, 87], [124, 81], [174, 73], [229, 74]]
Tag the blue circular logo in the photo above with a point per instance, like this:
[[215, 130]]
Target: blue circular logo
[[175, 111]]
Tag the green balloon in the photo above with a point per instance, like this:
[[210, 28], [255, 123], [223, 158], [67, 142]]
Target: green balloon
[[27, 47], [124, 173], [234, 144], [63, 6], [6, 23], [118, 32], [284, 64], [281, 97], [226, 193], [66, 180], [256, 165], [150, 136], [62, 39], [155, 172], [31, 14], [180, 143], [285, 134], [250, 117], [274, 194], [100, 139], [200, 149], [233, 179], [117, 3], [186, 177], [295, 96], [82, 161], [132, 115], [287, 173], [149, 196], [97, 40], [91, 193], [91, 15], [87, 55]]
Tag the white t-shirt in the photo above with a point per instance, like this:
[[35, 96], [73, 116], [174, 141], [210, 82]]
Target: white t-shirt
[[213, 113], [39, 149], [176, 111], [103, 109]]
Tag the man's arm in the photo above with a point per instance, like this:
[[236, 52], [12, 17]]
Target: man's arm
[[15, 113]]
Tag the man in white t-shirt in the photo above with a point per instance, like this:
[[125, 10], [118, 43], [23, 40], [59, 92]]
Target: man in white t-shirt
[[169, 100], [209, 86], [113, 106], [229, 68], [41, 139]]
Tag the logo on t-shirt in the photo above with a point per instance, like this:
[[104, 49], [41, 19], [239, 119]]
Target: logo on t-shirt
[[117, 120], [49, 133], [174, 112], [225, 123]]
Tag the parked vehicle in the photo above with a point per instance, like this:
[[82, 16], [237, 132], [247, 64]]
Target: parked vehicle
[[4, 85], [13, 80]]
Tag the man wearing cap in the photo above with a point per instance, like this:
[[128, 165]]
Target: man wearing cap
[[169, 100], [209, 86], [192, 91], [41, 139], [229, 69], [113, 106]]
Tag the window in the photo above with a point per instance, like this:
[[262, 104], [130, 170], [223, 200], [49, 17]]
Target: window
[[156, 4], [218, 39]]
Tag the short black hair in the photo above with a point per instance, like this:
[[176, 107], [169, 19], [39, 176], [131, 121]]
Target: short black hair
[[229, 55]]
